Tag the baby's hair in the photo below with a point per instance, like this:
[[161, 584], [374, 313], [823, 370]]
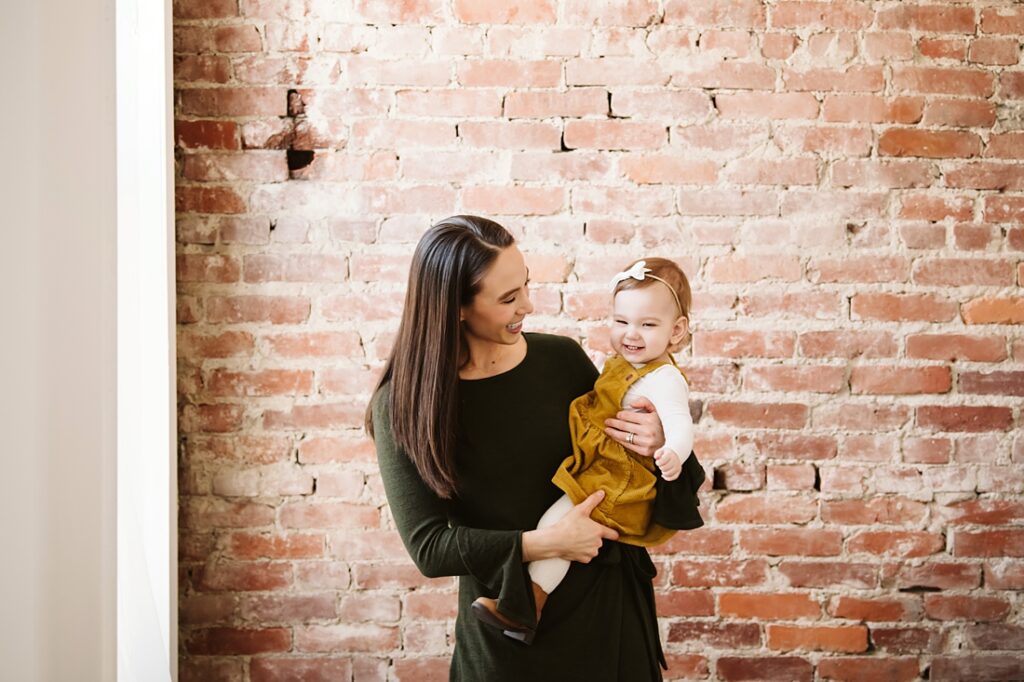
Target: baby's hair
[[671, 274]]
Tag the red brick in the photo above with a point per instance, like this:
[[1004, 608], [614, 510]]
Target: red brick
[[715, 634], [900, 307], [923, 235], [319, 416], [829, 574], [964, 418], [321, 575], [576, 102], [992, 310], [238, 641], [792, 542], [848, 639], [885, 47], [768, 606], [935, 207], [789, 446], [927, 450], [855, 417], [1004, 576], [853, 608], [871, 109], [903, 544], [956, 607], [634, 13], [404, 12], [788, 172], [206, 134], [708, 13], [702, 541], [205, 9], [989, 543], [1007, 20], [767, 509], [818, 305], [233, 101], [1004, 209], [847, 344], [739, 476], [509, 73], [850, 79], [534, 12], [973, 82], [745, 269], [604, 200], [211, 418], [288, 608], [245, 576], [614, 134], [997, 176], [791, 477], [514, 200], [890, 174], [624, 71], [943, 48], [778, 45], [841, 14], [941, 576], [992, 383], [847, 205], [1005, 145], [994, 51], [273, 309], [813, 378], [928, 18], [959, 113], [928, 144], [246, 545], [671, 105], [963, 272], [730, 44], [511, 134], [859, 269], [724, 573], [729, 202], [201, 199], [900, 380], [667, 169], [773, 106], [908, 640], [869, 669], [320, 669], [346, 638], [886, 509], [268, 382], [731, 75], [977, 668], [686, 603]]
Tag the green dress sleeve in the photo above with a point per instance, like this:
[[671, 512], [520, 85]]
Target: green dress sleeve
[[437, 547]]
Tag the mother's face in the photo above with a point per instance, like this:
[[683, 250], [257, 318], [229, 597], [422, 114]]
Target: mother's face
[[496, 313]]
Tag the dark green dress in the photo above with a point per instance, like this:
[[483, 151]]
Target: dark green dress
[[600, 624]]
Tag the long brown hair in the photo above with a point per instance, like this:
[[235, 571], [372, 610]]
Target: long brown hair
[[423, 368]]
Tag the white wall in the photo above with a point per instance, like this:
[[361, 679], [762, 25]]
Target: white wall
[[57, 592], [58, 264]]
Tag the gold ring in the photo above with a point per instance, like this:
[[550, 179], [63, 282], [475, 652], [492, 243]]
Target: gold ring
[[629, 438]]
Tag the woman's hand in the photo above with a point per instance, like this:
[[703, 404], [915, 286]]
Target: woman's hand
[[576, 537], [645, 427]]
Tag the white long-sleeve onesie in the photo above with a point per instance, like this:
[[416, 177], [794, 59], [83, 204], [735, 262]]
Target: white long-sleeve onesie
[[668, 391]]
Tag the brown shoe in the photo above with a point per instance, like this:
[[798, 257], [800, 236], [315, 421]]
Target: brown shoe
[[486, 610]]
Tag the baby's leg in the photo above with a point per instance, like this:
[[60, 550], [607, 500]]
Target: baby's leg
[[547, 573]]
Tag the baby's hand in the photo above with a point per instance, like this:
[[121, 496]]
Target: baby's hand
[[668, 461]]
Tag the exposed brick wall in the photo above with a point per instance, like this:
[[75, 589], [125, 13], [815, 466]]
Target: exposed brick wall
[[843, 182]]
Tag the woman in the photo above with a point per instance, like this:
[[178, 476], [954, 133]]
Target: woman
[[470, 421]]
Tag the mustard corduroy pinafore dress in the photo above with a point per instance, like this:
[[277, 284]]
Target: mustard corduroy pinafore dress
[[600, 463]]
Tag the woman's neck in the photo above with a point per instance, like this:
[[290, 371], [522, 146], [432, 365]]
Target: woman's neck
[[486, 359]]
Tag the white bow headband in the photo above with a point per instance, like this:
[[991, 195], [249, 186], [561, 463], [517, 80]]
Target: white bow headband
[[640, 272]]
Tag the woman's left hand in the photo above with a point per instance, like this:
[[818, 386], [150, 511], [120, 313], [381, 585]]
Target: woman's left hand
[[640, 432]]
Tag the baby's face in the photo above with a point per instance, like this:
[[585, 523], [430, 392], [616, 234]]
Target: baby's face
[[645, 322]]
